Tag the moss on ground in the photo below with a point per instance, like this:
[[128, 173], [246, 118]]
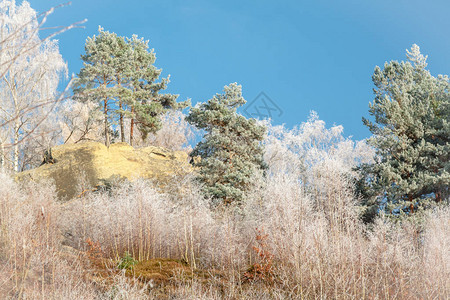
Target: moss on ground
[[160, 270]]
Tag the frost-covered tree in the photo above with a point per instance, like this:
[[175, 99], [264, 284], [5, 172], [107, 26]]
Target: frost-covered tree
[[80, 121], [411, 134], [118, 74], [30, 70], [230, 152], [175, 133], [319, 160]]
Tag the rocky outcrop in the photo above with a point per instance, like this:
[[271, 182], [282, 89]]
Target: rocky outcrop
[[95, 163]]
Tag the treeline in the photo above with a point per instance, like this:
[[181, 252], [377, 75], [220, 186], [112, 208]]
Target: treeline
[[118, 95]]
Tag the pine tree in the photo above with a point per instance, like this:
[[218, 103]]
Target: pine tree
[[410, 134], [97, 79], [230, 152], [143, 98], [119, 74]]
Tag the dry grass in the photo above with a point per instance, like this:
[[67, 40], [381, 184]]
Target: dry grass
[[316, 245]]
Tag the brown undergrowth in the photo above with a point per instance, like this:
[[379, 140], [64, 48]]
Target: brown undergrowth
[[263, 270]]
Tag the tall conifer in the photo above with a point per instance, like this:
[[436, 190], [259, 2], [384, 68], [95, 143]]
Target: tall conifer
[[230, 152], [118, 73], [143, 98], [97, 79], [411, 135]]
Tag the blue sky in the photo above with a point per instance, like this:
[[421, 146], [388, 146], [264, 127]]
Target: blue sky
[[304, 55]]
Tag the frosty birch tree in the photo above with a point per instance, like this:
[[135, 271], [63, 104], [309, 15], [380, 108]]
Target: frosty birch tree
[[320, 160], [30, 70], [175, 133], [80, 121]]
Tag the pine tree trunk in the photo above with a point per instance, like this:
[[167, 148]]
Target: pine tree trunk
[[131, 127], [411, 206], [107, 142], [122, 129], [438, 196], [131, 132]]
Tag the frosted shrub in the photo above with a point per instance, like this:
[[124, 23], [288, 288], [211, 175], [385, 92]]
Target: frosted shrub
[[30, 244], [297, 151], [321, 249], [140, 220], [436, 249], [120, 222], [80, 121], [175, 133], [320, 160]]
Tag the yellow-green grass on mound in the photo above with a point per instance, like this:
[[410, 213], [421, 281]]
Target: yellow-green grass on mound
[[95, 163]]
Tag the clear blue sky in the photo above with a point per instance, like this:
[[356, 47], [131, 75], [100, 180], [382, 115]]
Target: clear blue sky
[[305, 55]]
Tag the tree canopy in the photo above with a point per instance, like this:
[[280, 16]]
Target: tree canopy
[[119, 74], [410, 134], [230, 152]]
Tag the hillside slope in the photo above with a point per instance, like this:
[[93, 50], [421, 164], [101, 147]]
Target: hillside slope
[[95, 163]]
